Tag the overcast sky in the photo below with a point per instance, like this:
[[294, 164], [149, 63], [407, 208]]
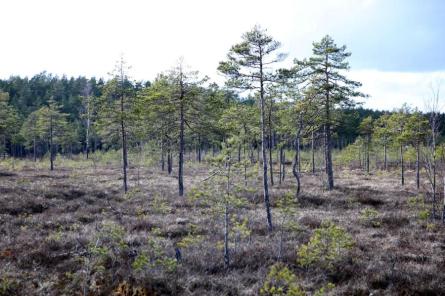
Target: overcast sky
[[398, 46]]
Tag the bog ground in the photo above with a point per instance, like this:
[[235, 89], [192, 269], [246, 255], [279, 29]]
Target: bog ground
[[72, 232]]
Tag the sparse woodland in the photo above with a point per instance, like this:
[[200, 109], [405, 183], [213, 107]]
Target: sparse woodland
[[276, 183]]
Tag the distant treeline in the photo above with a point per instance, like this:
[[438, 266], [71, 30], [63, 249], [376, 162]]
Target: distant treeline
[[27, 95]]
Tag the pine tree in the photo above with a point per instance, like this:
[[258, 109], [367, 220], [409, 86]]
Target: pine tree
[[248, 68], [160, 117], [117, 112], [184, 91], [382, 133], [87, 114], [400, 133], [418, 127], [323, 72], [30, 132], [52, 126], [169, 103], [366, 129], [9, 120]]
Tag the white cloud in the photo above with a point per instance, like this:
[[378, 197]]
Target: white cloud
[[389, 90]]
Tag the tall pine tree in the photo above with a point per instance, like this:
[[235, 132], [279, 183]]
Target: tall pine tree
[[248, 68], [324, 71]]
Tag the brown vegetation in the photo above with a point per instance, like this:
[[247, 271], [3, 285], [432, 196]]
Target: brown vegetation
[[52, 225]]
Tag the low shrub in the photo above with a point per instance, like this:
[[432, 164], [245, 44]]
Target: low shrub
[[327, 246]]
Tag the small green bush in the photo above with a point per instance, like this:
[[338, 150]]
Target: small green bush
[[415, 201], [326, 246], [324, 290], [370, 217], [8, 286], [424, 215], [280, 281]]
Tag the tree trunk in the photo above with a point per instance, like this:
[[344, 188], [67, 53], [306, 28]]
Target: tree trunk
[[124, 146], [270, 157], [313, 152], [418, 165], [284, 165], [368, 143], [263, 150], [443, 205], [34, 149], [258, 153], [181, 145], [280, 157], [402, 168], [87, 138], [226, 222], [295, 171], [434, 185], [226, 237], [299, 154], [328, 152], [328, 156], [162, 157], [169, 162], [385, 157], [51, 148]]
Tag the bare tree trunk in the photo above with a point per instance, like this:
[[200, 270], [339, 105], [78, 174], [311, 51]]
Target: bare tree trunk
[[181, 146], [87, 137], [443, 205], [295, 171], [34, 149], [226, 237], [402, 168], [264, 154], [271, 144], [226, 222], [4, 146], [270, 157], [299, 153], [418, 166], [327, 126], [284, 165], [169, 162], [258, 153], [51, 148], [124, 146], [368, 143], [281, 163], [162, 157], [385, 157], [328, 156], [313, 152], [139, 164], [434, 182]]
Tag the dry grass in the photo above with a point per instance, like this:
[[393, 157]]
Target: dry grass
[[50, 220]]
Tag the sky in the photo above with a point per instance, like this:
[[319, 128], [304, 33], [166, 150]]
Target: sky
[[398, 46]]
